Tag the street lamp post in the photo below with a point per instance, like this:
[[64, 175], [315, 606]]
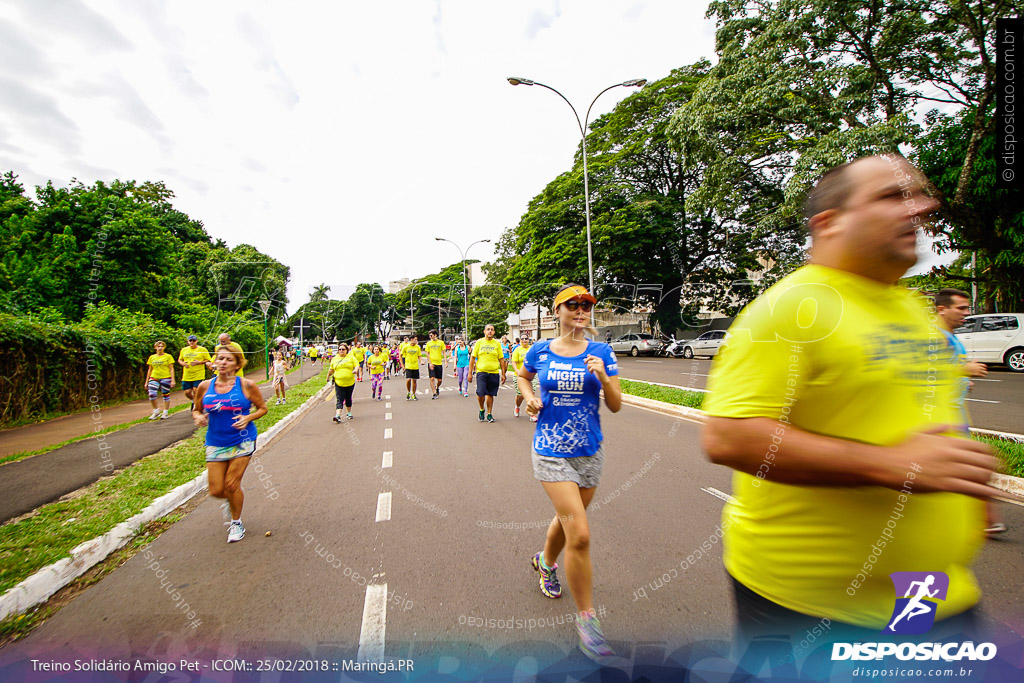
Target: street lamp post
[[634, 83], [265, 306], [465, 290]]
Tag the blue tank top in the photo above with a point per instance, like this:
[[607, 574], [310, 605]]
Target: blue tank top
[[221, 410], [461, 357]]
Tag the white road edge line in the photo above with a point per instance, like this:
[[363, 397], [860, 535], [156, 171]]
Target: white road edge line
[[383, 507], [387, 433], [981, 400], [375, 617], [718, 494], [387, 460]]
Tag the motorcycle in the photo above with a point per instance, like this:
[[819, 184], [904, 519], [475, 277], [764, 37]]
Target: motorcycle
[[672, 349]]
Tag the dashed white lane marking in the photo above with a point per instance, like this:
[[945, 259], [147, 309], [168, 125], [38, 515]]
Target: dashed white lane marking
[[384, 506], [981, 400], [718, 494], [649, 361], [387, 433], [375, 616], [387, 395], [387, 416], [387, 405], [387, 460]]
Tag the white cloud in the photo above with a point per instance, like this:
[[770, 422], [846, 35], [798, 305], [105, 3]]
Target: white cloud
[[340, 138]]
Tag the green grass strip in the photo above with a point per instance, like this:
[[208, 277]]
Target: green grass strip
[[679, 397], [49, 535], [1011, 452]]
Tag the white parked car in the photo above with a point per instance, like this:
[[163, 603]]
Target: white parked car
[[707, 344], [994, 338]]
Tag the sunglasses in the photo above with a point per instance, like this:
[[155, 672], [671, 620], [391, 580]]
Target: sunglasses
[[574, 305]]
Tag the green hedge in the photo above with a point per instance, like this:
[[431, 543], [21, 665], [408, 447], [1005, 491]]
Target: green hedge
[[49, 366]]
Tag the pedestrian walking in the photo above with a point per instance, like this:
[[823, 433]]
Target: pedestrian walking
[[436, 363], [394, 362], [487, 361], [567, 450], [953, 306], [846, 428], [359, 351], [343, 369], [377, 360], [159, 379], [194, 359], [460, 358], [410, 358], [278, 378], [226, 407]]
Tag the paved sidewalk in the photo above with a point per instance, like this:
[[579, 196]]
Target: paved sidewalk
[[37, 480], [42, 434]]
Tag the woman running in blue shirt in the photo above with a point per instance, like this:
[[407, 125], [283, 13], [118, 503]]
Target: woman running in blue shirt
[[224, 403], [567, 454]]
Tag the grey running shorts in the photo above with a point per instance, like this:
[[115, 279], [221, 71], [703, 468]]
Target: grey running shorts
[[584, 471]]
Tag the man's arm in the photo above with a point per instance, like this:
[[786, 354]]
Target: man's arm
[[935, 463]]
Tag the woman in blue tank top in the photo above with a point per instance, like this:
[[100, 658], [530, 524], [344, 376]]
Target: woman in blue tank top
[[225, 405]]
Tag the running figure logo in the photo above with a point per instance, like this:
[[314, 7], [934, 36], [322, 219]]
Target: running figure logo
[[914, 612]]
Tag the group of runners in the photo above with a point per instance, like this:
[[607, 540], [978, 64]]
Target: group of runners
[[824, 426]]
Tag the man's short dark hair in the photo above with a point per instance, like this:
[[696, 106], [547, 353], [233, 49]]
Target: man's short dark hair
[[830, 192], [433, 332], [945, 296]]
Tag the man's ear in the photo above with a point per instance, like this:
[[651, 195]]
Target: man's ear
[[821, 222]]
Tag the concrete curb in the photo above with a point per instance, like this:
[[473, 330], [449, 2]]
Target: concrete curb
[[1004, 482], [40, 586]]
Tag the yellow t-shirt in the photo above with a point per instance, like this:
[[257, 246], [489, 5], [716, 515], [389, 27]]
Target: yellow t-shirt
[[488, 355], [435, 351], [236, 347], [195, 372], [840, 355], [344, 370], [518, 355], [162, 365], [377, 362], [359, 352], [411, 356]]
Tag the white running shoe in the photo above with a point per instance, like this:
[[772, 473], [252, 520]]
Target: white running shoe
[[164, 415], [236, 532], [515, 413], [155, 414]]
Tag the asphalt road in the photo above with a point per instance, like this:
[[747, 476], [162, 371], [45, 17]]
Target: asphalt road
[[26, 484], [464, 519], [996, 402]]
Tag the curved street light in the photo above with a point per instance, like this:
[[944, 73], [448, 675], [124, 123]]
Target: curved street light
[[465, 290], [633, 83]]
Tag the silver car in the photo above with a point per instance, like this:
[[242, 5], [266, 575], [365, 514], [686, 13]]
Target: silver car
[[636, 344], [707, 344]]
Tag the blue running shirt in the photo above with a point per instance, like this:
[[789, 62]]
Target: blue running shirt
[[568, 425]]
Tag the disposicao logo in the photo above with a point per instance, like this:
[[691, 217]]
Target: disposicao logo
[[917, 599], [914, 612]]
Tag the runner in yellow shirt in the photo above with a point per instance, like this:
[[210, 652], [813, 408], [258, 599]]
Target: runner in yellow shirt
[[518, 356], [378, 361], [487, 359], [841, 429], [225, 340], [410, 358], [436, 363], [359, 351], [194, 359], [343, 370], [160, 379]]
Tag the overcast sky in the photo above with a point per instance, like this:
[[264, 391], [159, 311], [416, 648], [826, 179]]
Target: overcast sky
[[338, 137]]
